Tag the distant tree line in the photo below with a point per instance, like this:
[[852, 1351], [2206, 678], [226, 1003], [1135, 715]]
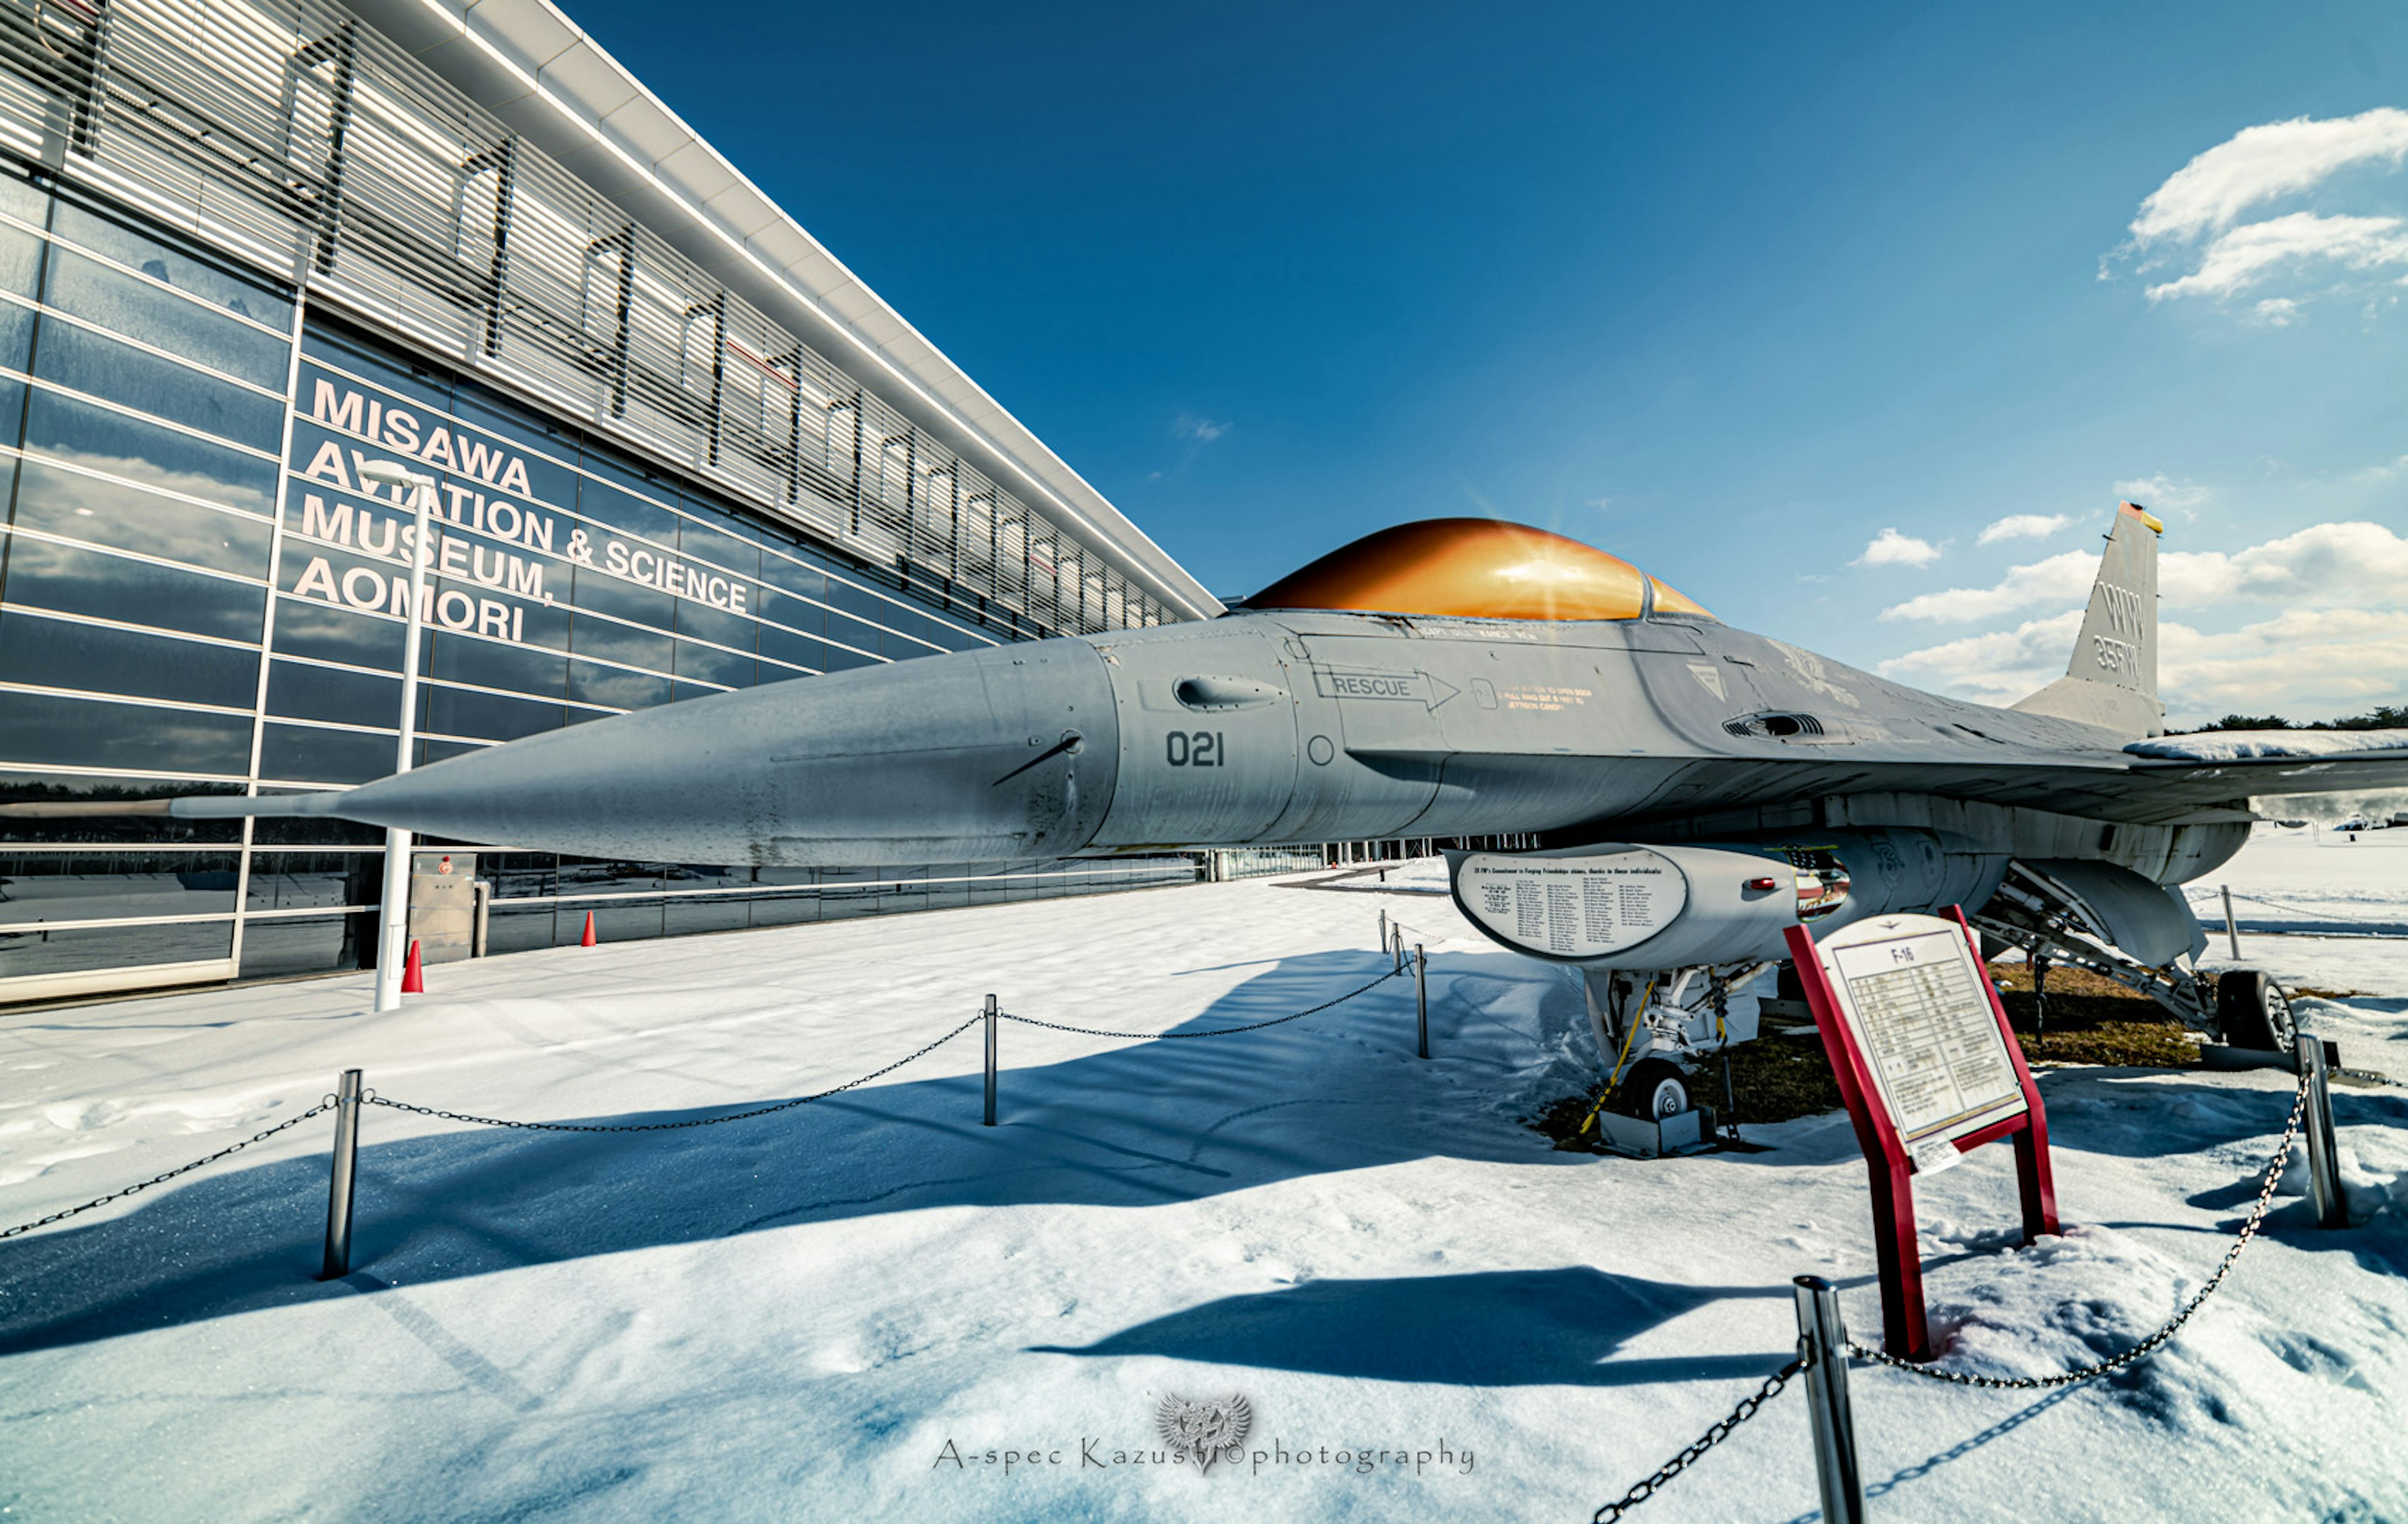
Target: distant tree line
[[2383, 716]]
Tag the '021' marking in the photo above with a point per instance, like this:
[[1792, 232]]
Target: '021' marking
[[1195, 748]]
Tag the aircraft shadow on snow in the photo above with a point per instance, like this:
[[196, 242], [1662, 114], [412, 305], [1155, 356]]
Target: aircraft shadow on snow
[[1135, 1126], [1499, 1327]]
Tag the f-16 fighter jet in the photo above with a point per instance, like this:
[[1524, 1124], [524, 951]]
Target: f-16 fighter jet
[[1696, 790]]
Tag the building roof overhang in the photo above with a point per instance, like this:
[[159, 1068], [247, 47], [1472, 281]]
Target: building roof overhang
[[529, 65]]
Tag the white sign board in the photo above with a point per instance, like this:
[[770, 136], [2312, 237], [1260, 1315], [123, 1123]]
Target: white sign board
[[1572, 906], [1913, 998]]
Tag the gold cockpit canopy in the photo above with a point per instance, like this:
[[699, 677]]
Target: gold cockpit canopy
[[1473, 568]]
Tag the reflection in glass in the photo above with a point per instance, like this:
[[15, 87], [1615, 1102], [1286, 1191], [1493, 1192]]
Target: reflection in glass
[[16, 788], [298, 690], [863, 641], [16, 337], [78, 581], [43, 730], [88, 362], [21, 261], [701, 621], [615, 687], [163, 262], [800, 650], [103, 886], [25, 953], [93, 437], [306, 627], [285, 947], [390, 372], [491, 664], [598, 591], [486, 717], [58, 653], [706, 663], [58, 501], [143, 311], [297, 754], [590, 636], [287, 880]]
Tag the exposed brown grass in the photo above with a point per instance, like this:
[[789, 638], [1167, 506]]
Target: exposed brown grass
[[1784, 1074]]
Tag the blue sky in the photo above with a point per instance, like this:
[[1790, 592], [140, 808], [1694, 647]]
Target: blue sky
[[1729, 292]]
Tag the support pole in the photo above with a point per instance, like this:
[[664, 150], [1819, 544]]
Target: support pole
[[2324, 1158], [2231, 930], [1823, 1348], [1421, 994], [1384, 930], [393, 941], [991, 1013], [337, 1262]]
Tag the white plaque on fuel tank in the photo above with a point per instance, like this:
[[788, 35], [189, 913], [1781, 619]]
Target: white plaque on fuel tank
[[1571, 907]]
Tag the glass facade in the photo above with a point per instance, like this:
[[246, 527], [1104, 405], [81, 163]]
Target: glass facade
[[199, 592]]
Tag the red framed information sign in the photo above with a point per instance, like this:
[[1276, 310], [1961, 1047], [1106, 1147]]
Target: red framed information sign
[[1929, 1071]]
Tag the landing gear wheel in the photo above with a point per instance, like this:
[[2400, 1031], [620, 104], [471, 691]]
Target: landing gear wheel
[[1654, 1087], [2254, 1011]]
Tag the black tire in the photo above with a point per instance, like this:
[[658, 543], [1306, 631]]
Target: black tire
[[2254, 1011], [1654, 1087]]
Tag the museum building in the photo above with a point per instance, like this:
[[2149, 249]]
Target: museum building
[[251, 248]]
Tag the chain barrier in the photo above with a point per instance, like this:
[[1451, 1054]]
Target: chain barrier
[[1711, 1437], [372, 1099], [2154, 1342], [2300, 910], [1216, 1032], [324, 1106]]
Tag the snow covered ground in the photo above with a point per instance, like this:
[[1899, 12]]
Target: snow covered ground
[[816, 1314]]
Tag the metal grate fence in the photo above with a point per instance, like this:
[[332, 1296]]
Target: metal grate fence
[[290, 133]]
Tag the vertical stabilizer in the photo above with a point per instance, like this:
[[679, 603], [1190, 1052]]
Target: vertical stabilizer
[[2112, 679]]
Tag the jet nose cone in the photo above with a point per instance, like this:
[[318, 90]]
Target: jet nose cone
[[977, 757]]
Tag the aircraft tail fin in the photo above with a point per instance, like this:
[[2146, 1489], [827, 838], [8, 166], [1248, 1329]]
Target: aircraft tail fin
[[2111, 681]]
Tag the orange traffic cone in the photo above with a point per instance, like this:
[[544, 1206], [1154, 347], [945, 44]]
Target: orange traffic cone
[[413, 974], [587, 940]]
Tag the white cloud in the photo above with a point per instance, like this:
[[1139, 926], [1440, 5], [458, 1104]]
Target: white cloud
[[2352, 565], [2256, 251], [2196, 216], [2338, 566], [2264, 163], [2022, 526], [2304, 664], [2058, 578], [1201, 430], [2161, 491], [1998, 668], [1891, 549]]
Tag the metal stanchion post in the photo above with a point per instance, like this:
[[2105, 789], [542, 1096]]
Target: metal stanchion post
[[1421, 994], [1822, 1347], [1384, 931], [339, 1190], [2324, 1159], [2231, 930], [991, 1013]]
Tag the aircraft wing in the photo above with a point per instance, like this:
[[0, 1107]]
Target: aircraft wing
[[2174, 780], [2276, 762]]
